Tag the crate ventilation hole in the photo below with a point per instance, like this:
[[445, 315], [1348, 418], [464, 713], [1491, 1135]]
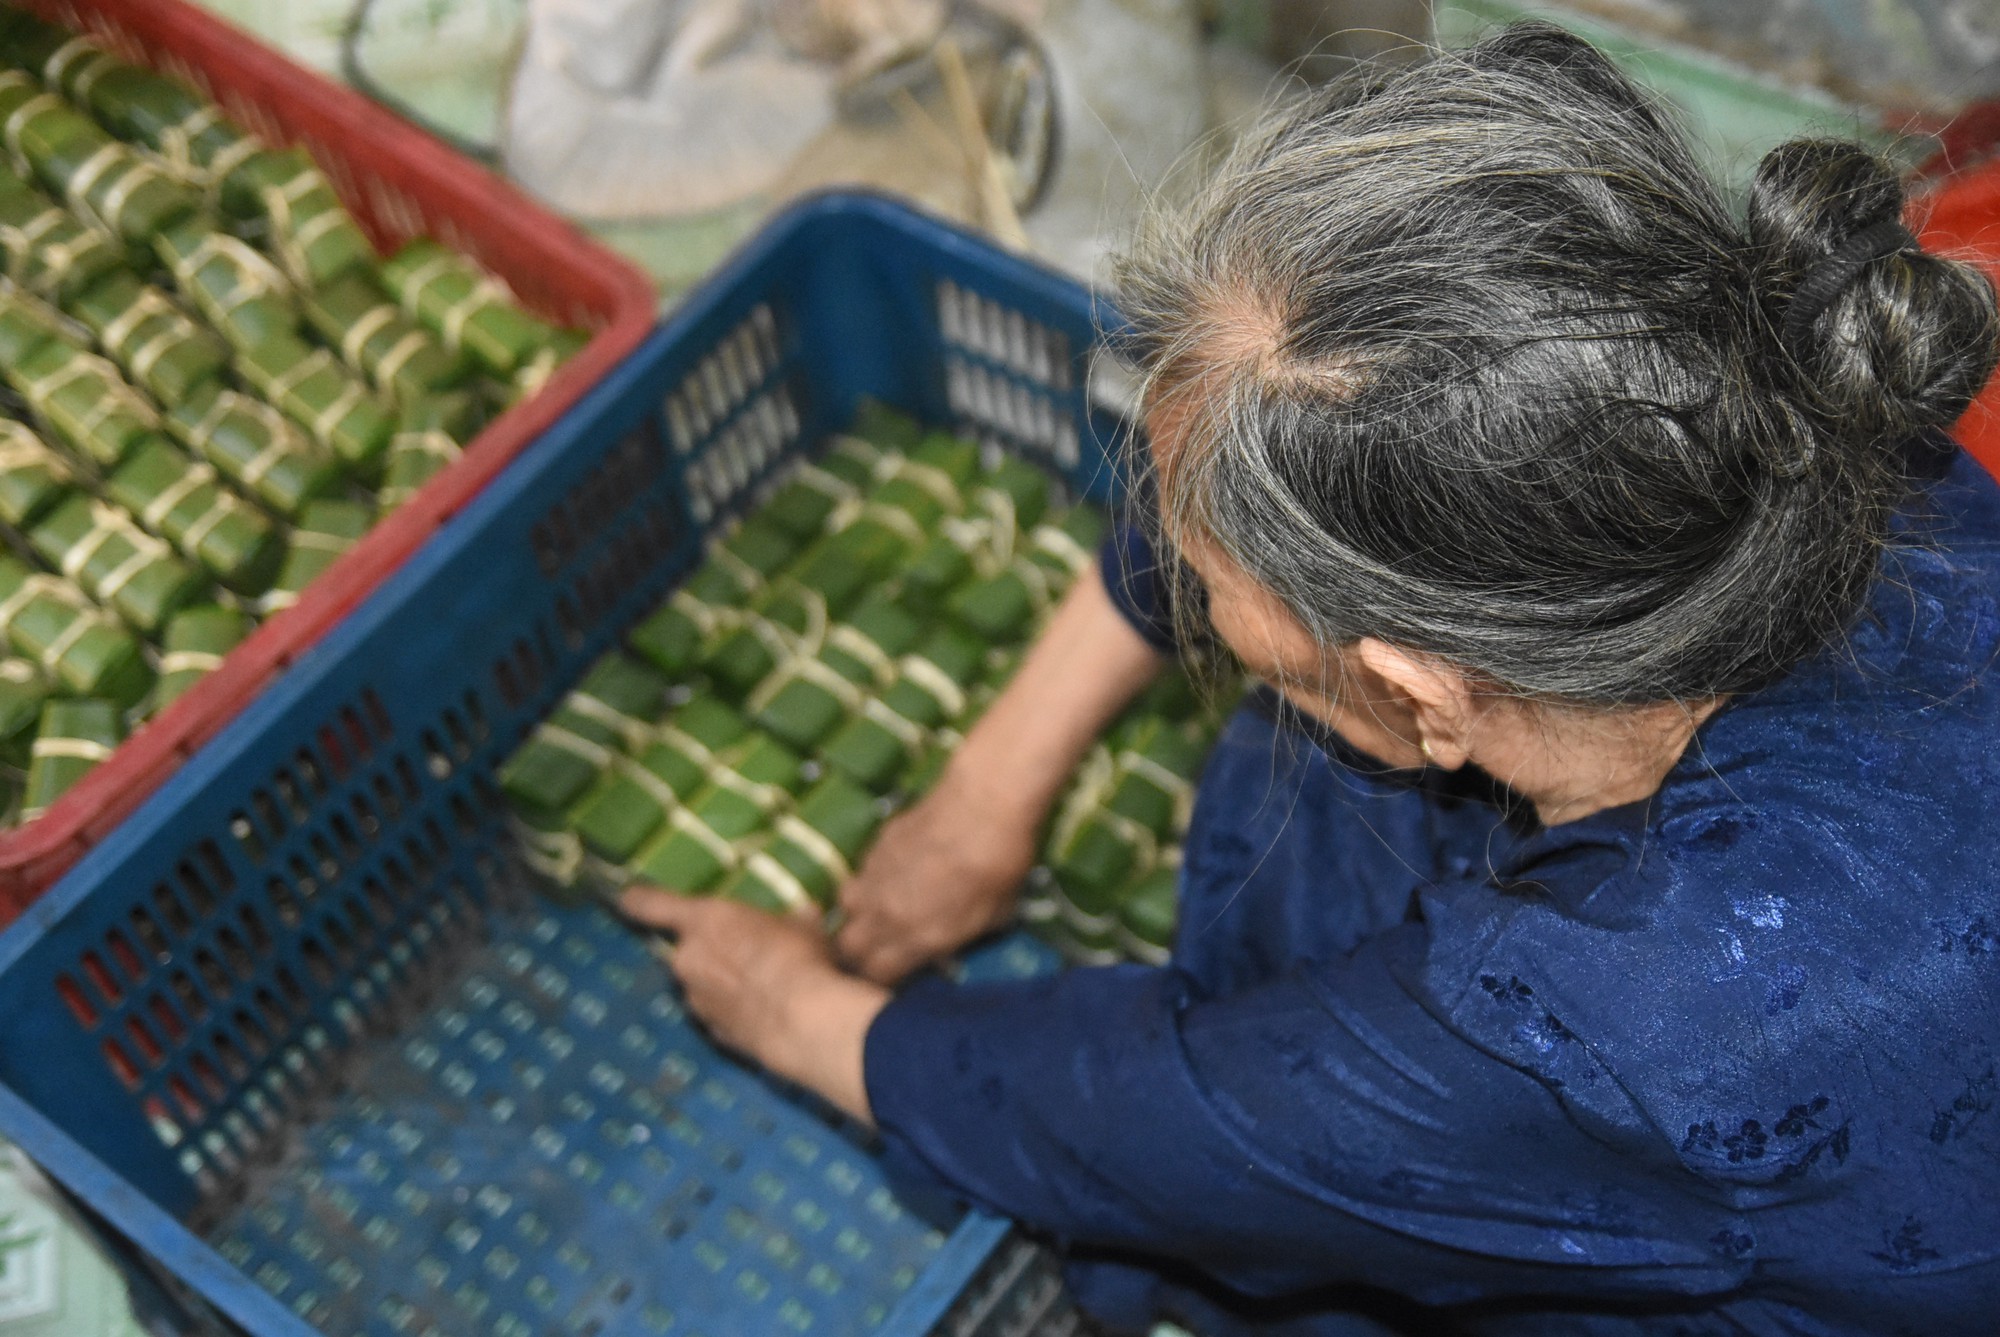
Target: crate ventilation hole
[[731, 416], [1007, 375], [192, 1001], [634, 542], [541, 1035]]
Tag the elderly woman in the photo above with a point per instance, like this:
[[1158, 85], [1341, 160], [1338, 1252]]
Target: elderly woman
[[1593, 924]]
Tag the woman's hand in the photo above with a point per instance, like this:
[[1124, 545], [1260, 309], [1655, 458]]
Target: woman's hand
[[766, 986], [939, 876], [947, 870]]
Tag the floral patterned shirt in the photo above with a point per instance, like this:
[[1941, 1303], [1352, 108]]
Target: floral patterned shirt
[[1727, 1060]]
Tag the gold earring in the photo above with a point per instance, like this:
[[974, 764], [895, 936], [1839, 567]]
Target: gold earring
[[1424, 746]]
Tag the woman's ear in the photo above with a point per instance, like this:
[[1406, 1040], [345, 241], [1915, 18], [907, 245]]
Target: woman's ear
[[1439, 697]]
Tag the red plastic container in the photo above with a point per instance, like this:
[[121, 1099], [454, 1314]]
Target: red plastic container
[[399, 182], [1962, 218]]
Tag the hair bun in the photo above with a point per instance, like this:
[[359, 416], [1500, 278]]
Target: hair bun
[[1908, 341]]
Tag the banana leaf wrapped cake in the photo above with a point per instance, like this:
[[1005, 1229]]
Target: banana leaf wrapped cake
[[159, 346], [193, 647], [83, 398], [72, 739], [302, 220], [759, 641], [85, 401], [324, 530], [708, 837], [334, 405], [1148, 913], [103, 180], [1015, 493], [33, 476], [401, 359], [48, 251], [121, 566], [186, 502], [676, 635], [1004, 605], [717, 601], [214, 388], [27, 323], [42, 47], [256, 448], [24, 690], [889, 734], [465, 307], [1113, 855], [803, 699], [617, 703], [801, 506], [242, 295], [641, 785], [882, 429], [836, 571], [83, 650], [811, 850], [533, 375], [1153, 776], [431, 432], [189, 136]]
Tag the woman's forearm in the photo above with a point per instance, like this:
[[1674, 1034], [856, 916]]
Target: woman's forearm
[[948, 870], [827, 1017]]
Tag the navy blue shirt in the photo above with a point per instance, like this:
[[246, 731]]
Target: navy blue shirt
[[1723, 1061]]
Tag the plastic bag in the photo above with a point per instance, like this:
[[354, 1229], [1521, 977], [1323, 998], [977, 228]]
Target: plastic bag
[[651, 108]]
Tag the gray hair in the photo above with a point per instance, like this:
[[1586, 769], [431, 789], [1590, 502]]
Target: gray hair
[[1479, 362]]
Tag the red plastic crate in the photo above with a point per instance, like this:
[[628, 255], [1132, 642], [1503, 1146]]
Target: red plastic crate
[[1962, 218], [400, 183]]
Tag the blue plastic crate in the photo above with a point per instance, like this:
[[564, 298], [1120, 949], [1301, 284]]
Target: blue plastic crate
[[295, 1031]]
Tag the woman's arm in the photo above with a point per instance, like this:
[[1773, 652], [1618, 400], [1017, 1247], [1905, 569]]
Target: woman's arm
[[942, 873], [1348, 1124], [947, 870], [1327, 1128]]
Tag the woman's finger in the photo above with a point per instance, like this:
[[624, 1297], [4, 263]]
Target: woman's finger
[[874, 883], [661, 909], [859, 937], [887, 962], [856, 893]]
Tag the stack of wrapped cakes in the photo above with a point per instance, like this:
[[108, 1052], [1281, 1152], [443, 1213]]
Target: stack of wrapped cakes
[[819, 666], [817, 670], [210, 387], [1107, 888]]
